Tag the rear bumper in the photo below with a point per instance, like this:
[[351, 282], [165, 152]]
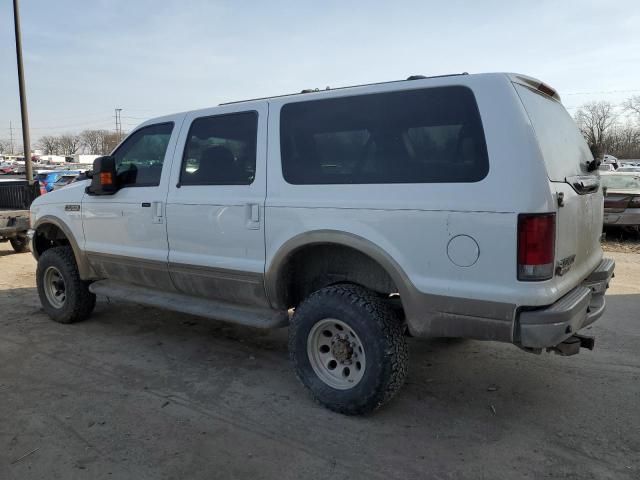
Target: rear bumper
[[630, 216], [549, 326], [13, 223]]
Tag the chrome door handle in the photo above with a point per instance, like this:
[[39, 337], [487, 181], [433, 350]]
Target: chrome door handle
[[158, 212], [253, 216]]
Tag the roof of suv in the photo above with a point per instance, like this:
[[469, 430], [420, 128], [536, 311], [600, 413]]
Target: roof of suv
[[514, 77], [312, 90]]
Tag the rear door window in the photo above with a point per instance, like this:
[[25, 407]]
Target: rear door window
[[429, 135], [221, 150], [563, 147]]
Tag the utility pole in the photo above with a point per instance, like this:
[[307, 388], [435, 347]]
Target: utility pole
[[11, 136], [26, 141], [118, 123]]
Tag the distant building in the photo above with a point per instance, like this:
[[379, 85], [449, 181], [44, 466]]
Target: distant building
[[84, 158]]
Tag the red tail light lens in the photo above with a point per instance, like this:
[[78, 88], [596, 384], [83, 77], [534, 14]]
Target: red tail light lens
[[536, 246]]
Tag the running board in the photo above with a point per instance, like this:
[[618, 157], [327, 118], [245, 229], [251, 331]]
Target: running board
[[178, 302]]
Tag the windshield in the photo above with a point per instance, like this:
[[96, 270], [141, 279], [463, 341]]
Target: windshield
[[565, 151], [621, 182]]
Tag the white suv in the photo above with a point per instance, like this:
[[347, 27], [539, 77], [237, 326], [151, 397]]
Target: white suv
[[455, 206]]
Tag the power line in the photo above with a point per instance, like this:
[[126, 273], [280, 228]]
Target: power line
[[78, 125], [602, 92]]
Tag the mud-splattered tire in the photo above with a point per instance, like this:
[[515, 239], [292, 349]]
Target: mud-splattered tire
[[337, 329], [20, 244], [64, 296]]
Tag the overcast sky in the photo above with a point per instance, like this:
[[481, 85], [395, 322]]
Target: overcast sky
[[84, 58]]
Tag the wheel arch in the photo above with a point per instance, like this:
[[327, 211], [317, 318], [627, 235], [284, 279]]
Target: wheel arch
[[278, 275], [50, 231]]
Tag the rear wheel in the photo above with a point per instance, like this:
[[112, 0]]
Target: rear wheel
[[64, 296], [20, 244], [348, 348]]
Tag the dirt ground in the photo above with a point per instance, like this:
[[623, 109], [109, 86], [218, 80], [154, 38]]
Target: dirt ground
[[140, 393]]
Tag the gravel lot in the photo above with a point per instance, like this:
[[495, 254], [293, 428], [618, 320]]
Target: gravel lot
[[140, 393]]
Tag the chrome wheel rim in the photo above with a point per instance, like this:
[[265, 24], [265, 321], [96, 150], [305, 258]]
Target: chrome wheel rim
[[54, 287], [336, 354]]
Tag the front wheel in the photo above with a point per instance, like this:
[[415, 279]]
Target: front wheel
[[64, 296], [348, 348]]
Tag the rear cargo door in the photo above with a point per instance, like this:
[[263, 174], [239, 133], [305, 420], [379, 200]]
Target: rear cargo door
[[580, 205]]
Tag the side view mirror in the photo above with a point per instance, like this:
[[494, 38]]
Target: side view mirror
[[104, 180]]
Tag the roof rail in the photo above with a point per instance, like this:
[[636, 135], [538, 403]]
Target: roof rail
[[314, 90]]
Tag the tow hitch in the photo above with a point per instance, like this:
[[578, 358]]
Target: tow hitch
[[572, 345]]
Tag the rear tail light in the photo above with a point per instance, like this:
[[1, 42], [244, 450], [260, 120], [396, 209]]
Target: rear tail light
[[536, 246]]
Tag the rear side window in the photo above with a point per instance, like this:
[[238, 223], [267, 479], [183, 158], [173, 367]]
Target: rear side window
[[417, 136], [563, 147], [221, 150], [140, 158]]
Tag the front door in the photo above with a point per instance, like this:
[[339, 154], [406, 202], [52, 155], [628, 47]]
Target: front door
[[215, 205], [125, 233]]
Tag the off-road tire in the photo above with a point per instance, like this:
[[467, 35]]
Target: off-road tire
[[20, 244], [79, 302], [382, 336]]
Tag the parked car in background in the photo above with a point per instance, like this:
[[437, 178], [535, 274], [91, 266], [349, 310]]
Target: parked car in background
[[64, 180], [607, 167], [611, 159], [15, 198], [628, 168], [47, 178], [622, 199], [18, 168]]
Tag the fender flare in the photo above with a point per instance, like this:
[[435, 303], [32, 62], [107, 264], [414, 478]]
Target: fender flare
[[273, 274], [84, 268]]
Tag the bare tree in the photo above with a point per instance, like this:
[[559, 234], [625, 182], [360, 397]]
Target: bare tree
[[69, 143], [595, 119], [49, 144], [623, 141], [112, 140], [99, 142], [92, 140], [4, 146], [632, 105]]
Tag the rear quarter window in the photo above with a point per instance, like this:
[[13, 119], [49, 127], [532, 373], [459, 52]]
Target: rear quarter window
[[431, 135]]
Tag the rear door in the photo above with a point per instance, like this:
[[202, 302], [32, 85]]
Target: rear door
[[566, 156], [215, 205]]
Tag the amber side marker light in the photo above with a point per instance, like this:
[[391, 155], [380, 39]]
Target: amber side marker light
[[106, 178]]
